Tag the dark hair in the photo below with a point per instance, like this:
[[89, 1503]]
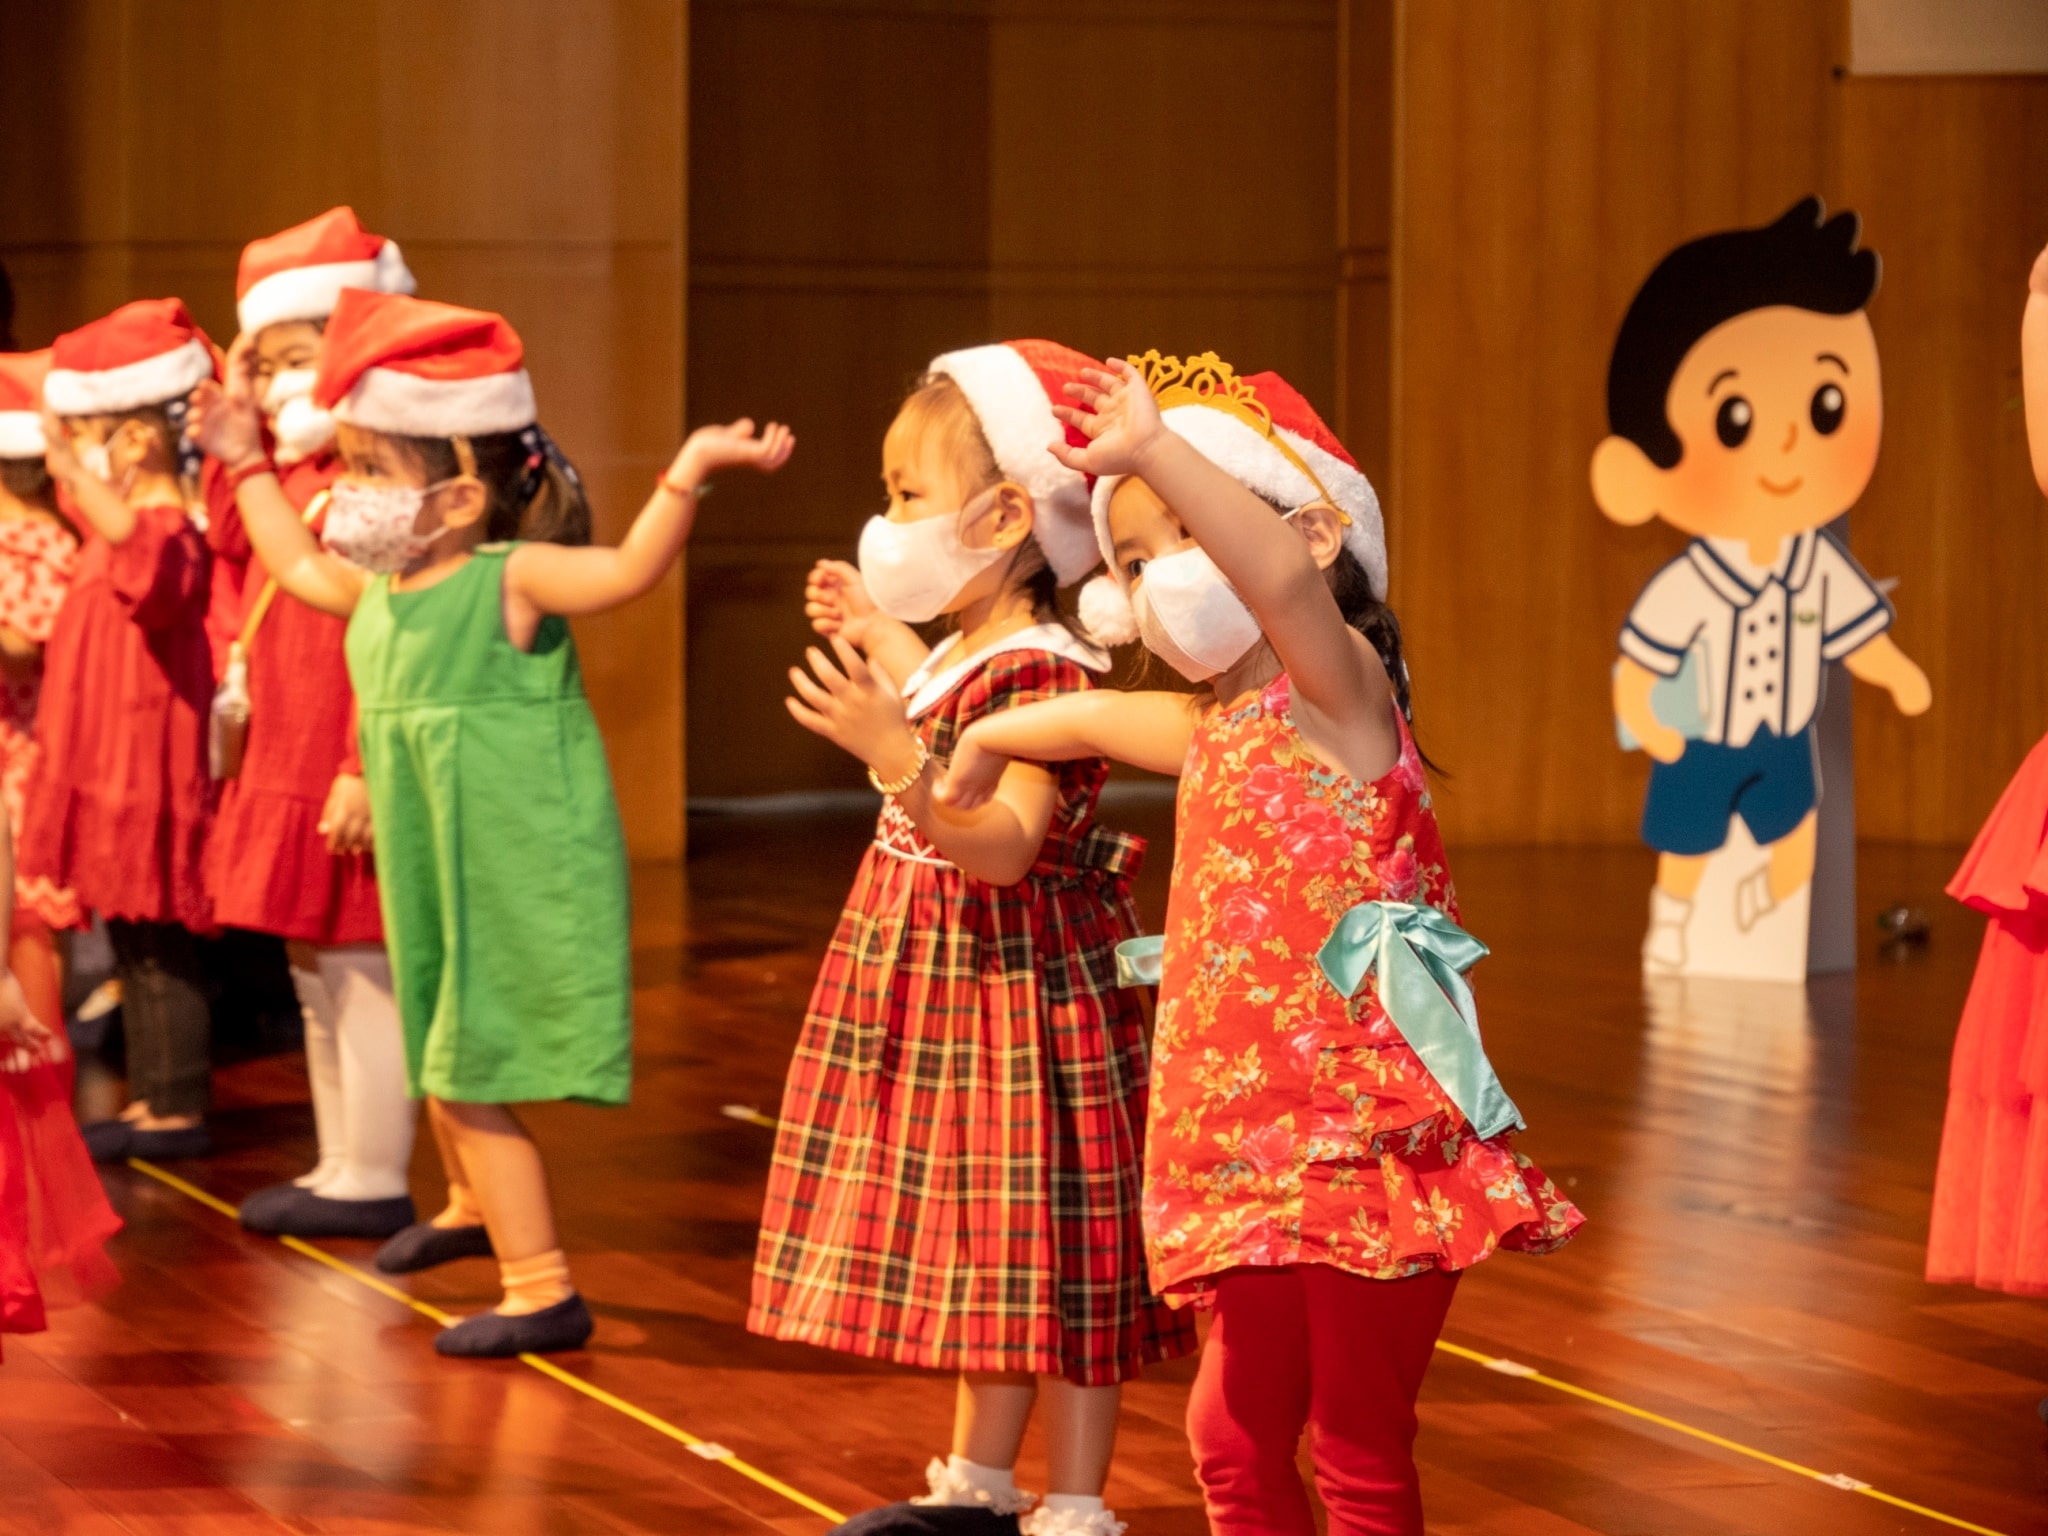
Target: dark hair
[[167, 421], [7, 342], [534, 491], [26, 479], [1803, 260]]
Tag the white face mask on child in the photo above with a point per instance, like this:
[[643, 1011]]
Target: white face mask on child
[[373, 526], [1190, 619], [913, 570], [301, 428]]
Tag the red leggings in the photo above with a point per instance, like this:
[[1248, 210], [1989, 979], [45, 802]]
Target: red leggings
[[1316, 1346]]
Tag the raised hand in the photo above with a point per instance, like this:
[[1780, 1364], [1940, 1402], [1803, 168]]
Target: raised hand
[[226, 420], [836, 602], [972, 777], [708, 450], [854, 706], [1115, 410]]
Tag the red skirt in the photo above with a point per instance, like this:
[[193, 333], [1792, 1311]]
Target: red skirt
[[1990, 1220]]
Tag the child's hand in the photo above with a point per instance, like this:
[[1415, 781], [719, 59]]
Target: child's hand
[[973, 775], [226, 421], [17, 1025], [345, 818], [1118, 415], [836, 602], [1659, 740], [733, 446], [858, 709]]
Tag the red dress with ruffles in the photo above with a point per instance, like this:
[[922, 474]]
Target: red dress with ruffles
[[1290, 1124], [1990, 1220], [267, 865], [37, 557], [118, 807], [54, 1216]]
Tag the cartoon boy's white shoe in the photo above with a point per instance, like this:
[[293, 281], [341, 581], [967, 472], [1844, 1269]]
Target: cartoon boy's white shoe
[[1664, 946]]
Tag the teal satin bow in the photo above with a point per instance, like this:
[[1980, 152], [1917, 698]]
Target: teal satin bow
[[1419, 957], [1137, 961]]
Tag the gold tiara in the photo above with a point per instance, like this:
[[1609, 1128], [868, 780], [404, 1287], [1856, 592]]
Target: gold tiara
[[1206, 380]]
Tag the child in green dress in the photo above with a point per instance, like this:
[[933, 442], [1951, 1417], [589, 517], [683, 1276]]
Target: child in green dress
[[500, 860]]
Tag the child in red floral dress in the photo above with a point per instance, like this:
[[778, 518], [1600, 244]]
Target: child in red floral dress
[[38, 552], [1328, 1146], [955, 1184]]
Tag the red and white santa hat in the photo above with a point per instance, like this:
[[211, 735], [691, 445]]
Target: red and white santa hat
[[299, 273], [21, 397], [1012, 387], [1261, 432], [146, 353], [389, 363]]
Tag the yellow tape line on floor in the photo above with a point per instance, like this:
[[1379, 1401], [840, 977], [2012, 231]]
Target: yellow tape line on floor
[[709, 1450], [1840, 1480]]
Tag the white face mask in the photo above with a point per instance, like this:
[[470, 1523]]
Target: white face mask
[[373, 526], [914, 570], [96, 459], [1189, 618], [301, 428]]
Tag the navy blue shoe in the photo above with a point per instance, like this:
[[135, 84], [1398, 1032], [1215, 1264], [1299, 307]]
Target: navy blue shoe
[[494, 1336], [115, 1141], [929, 1520], [302, 1213], [256, 1210], [424, 1245]]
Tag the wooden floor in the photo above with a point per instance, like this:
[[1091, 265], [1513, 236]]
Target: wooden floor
[[1755, 1164]]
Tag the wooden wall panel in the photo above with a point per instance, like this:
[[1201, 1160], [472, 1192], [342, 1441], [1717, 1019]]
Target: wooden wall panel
[[1951, 177], [1546, 157], [529, 157], [874, 184]]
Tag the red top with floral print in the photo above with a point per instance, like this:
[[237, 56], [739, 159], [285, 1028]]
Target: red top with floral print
[[1291, 1125]]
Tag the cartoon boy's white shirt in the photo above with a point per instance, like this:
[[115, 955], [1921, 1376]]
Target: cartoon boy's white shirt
[[1763, 634]]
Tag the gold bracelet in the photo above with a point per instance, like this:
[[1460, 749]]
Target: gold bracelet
[[923, 761]]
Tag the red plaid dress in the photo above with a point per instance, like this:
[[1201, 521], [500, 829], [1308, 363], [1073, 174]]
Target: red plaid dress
[[956, 1177]]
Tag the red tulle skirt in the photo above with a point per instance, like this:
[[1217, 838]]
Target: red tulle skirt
[[54, 1216], [1990, 1219]]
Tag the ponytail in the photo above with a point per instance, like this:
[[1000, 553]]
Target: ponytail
[[1364, 612]]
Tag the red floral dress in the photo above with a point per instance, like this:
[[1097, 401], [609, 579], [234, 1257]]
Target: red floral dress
[[1291, 1125], [267, 865], [118, 806], [37, 557], [955, 1180]]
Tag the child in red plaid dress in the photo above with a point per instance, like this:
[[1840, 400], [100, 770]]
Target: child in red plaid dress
[[1329, 1148], [955, 1183]]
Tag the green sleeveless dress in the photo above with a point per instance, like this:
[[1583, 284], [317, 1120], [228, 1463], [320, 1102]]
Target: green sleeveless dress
[[500, 863]]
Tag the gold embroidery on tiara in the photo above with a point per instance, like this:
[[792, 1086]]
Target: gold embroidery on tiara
[[1205, 379]]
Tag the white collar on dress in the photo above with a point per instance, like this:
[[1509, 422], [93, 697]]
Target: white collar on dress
[[939, 675]]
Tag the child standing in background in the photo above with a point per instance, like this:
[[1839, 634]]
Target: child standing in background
[[290, 849], [955, 1179], [503, 865], [1328, 1146], [119, 803], [38, 552]]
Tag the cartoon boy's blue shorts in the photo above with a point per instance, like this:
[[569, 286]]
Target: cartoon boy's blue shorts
[[1771, 784]]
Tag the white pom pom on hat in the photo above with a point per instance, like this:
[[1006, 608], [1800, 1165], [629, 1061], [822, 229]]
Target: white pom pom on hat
[[1261, 432], [1106, 612]]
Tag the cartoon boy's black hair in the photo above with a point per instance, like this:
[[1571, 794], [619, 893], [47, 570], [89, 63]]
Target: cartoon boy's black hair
[[1802, 259]]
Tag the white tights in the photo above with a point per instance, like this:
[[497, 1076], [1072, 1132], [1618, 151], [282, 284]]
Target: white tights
[[355, 1056]]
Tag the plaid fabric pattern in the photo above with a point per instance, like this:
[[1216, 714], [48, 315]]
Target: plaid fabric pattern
[[956, 1177]]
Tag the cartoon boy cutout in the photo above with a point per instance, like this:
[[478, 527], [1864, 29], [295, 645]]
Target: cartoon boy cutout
[[1744, 407]]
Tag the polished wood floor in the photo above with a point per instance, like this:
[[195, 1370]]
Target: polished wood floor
[[1755, 1163]]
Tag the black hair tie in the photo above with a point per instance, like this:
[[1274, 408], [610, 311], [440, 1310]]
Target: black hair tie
[[541, 451]]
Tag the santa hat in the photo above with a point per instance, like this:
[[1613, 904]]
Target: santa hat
[[1261, 432], [409, 366], [1011, 387], [299, 274], [146, 353], [21, 394]]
